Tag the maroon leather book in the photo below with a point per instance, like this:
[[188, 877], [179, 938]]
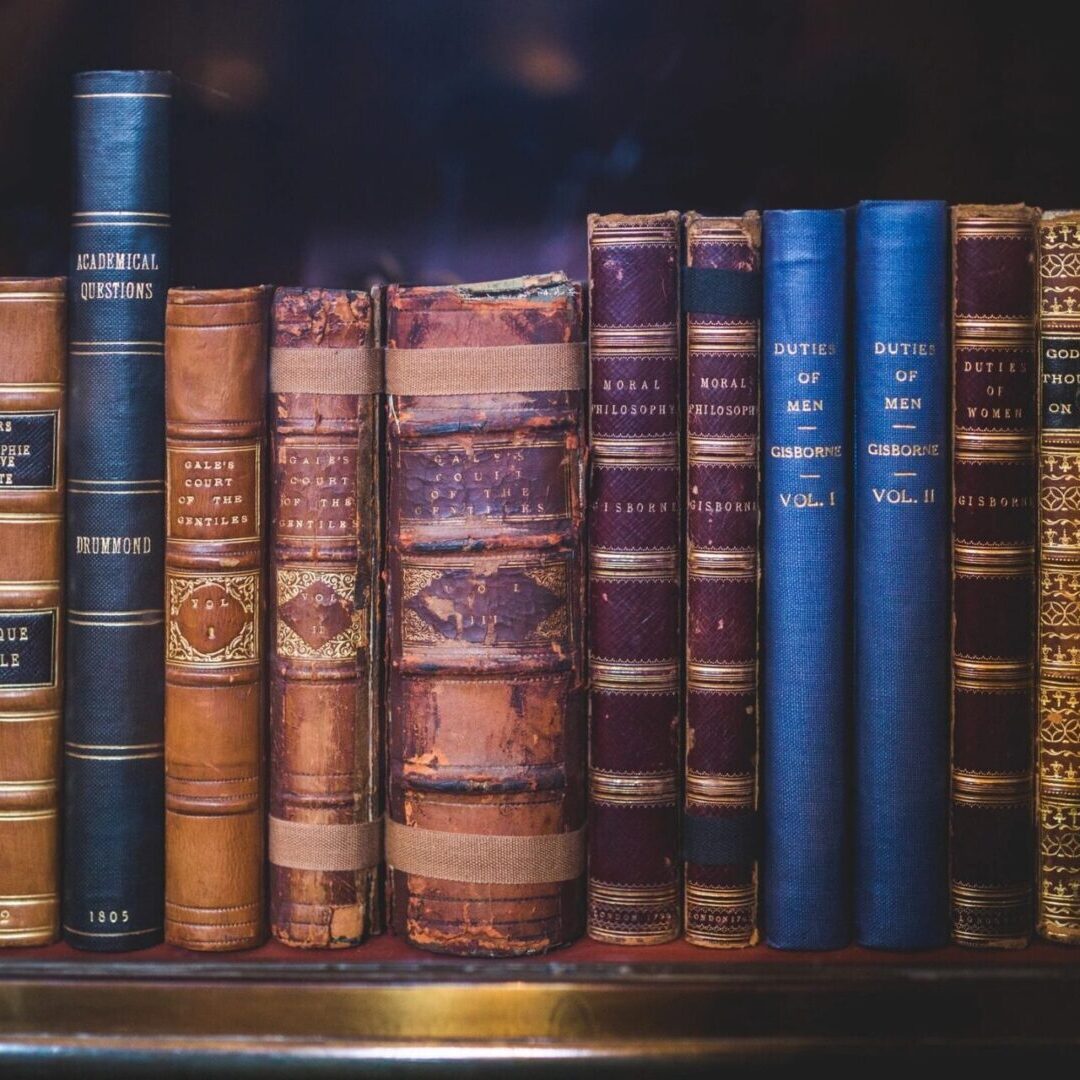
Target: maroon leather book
[[723, 329], [485, 835], [995, 369], [634, 579]]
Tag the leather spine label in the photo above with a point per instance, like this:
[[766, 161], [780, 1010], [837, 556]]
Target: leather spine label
[[28, 648], [213, 619], [502, 480], [214, 488], [29, 450]]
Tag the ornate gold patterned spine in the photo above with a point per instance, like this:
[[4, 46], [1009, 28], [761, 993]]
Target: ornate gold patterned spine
[[994, 380], [1058, 744], [722, 572]]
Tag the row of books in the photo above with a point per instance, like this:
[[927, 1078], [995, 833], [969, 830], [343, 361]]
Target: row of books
[[395, 671]]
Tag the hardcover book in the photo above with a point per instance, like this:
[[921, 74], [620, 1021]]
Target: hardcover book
[[485, 838], [722, 299], [324, 829], [113, 775], [806, 582], [634, 579], [33, 353], [994, 524], [1058, 739], [215, 413], [901, 575]]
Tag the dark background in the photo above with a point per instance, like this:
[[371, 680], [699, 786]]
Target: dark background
[[340, 142]]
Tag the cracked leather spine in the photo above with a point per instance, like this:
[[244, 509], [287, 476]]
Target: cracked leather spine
[[33, 347], [485, 618], [324, 633], [113, 711], [634, 579], [215, 414]]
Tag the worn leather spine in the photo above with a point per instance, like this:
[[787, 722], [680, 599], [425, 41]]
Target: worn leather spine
[[901, 575], [635, 590], [485, 617], [113, 772], [994, 524], [806, 580], [215, 425], [722, 535], [33, 368], [1057, 916], [325, 375]]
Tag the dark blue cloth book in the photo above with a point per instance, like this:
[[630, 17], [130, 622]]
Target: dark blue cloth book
[[806, 638], [113, 752], [901, 575]]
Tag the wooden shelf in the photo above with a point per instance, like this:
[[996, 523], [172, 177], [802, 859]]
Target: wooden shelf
[[277, 1011]]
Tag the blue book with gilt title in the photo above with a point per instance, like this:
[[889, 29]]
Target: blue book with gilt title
[[113, 717], [806, 611], [901, 574]]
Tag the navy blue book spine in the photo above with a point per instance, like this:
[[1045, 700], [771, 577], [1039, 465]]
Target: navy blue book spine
[[113, 740], [901, 575], [806, 624]]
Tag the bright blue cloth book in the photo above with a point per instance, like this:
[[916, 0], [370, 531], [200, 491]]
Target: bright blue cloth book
[[901, 575], [806, 636]]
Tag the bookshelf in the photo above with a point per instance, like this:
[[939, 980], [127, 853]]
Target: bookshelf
[[672, 1009]]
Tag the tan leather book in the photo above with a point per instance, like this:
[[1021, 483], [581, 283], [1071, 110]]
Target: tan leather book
[[215, 420], [1057, 736], [324, 827], [33, 355], [485, 448]]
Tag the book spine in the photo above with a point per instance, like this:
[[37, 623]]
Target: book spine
[[485, 837], [806, 584], [722, 524], [324, 839], [634, 579], [33, 344], [1058, 739], [113, 824], [994, 524], [901, 575], [215, 429]]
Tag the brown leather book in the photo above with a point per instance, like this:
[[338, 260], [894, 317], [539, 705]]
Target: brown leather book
[[635, 595], [325, 833], [721, 295], [485, 447], [33, 355], [215, 421], [1057, 798], [995, 383]]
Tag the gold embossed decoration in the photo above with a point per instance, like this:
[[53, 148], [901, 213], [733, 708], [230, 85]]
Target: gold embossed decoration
[[317, 615], [213, 618]]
